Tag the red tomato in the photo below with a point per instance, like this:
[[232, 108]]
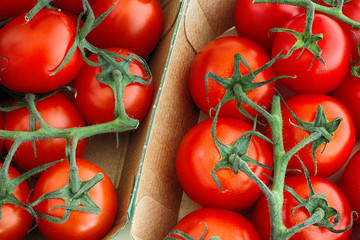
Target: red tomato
[[348, 94], [336, 152], [96, 101], [254, 21], [218, 57], [74, 6], [13, 8], [221, 223], [135, 25], [16, 221], [334, 196], [313, 77], [58, 111], [33, 50], [350, 183], [197, 155], [80, 225]]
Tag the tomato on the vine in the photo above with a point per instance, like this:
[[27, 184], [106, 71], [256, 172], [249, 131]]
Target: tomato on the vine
[[350, 183], [254, 21], [16, 221], [292, 216], [57, 111], [218, 57], [313, 76], [197, 155], [330, 157], [138, 25], [216, 222], [13, 8], [95, 100], [80, 225], [31, 51]]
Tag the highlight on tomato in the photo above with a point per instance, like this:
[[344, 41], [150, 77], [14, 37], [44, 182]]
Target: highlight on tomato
[[319, 70], [15, 220], [58, 111], [350, 183], [138, 25], [293, 215], [217, 57], [79, 225], [95, 100], [208, 223], [198, 155], [31, 51], [330, 157]]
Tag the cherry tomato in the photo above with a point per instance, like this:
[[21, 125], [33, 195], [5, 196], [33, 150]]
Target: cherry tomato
[[138, 25], [13, 8], [254, 21], [348, 94], [197, 155], [336, 152], [96, 101], [74, 6], [334, 196], [32, 51], [15, 221], [58, 111], [221, 223], [218, 57], [80, 225], [312, 76], [350, 183]]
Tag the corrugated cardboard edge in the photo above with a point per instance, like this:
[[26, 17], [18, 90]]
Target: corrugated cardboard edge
[[159, 194]]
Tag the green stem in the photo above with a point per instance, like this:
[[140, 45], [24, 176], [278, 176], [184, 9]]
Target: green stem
[[38, 6], [316, 217], [74, 180]]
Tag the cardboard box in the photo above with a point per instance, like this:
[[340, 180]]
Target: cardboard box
[[159, 201]]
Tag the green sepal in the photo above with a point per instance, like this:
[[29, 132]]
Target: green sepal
[[188, 237]]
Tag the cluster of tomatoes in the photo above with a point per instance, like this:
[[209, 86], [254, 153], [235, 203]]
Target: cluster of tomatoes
[[323, 73], [45, 55]]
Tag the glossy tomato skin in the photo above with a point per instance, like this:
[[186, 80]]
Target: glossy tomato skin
[[16, 221], [348, 94], [218, 57], [138, 24], [336, 152], [334, 196], [33, 50], [254, 21], [80, 225], [58, 111], [313, 77], [221, 223], [350, 183], [197, 155], [13, 8], [95, 100], [74, 6]]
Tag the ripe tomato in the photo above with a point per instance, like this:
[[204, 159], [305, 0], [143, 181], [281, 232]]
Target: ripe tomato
[[254, 21], [218, 57], [334, 196], [221, 223], [80, 225], [95, 100], [350, 183], [15, 221], [13, 8], [197, 155], [138, 25], [74, 6], [33, 50], [348, 94], [312, 76], [58, 111], [336, 152]]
